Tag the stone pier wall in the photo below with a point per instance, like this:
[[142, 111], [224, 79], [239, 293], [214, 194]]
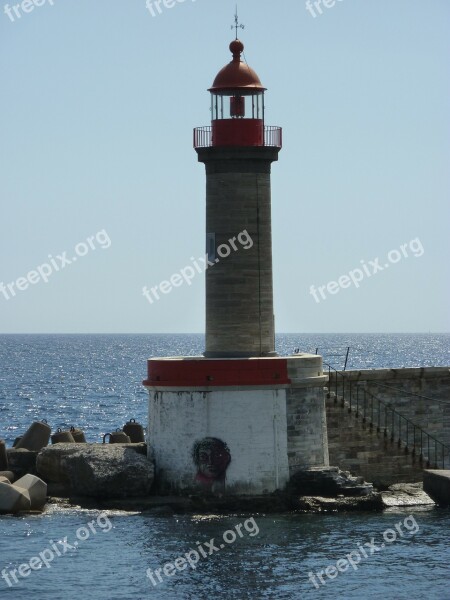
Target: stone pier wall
[[355, 447]]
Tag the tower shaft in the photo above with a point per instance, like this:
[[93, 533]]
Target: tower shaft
[[239, 288]]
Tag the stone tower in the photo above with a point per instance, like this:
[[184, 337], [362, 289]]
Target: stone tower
[[239, 419], [238, 151]]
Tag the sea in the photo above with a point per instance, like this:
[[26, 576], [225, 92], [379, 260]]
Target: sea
[[95, 382]]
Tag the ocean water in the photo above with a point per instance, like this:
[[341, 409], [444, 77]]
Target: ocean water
[[94, 382]]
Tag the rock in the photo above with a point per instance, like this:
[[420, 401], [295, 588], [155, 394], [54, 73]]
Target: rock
[[98, 470], [9, 475], [406, 494], [52, 462], [13, 500], [318, 504], [328, 482], [21, 461], [58, 490], [36, 488]]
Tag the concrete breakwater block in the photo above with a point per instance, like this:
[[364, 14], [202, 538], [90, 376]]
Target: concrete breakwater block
[[3, 456], [78, 435], [36, 437], [98, 470], [134, 431], [62, 437], [13, 500], [36, 488], [9, 475], [436, 483]]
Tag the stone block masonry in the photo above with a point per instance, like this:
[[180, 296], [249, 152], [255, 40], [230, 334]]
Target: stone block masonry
[[437, 485], [421, 395], [239, 291], [306, 428]]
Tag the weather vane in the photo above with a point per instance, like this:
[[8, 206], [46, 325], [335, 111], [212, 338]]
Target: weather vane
[[237, 25]]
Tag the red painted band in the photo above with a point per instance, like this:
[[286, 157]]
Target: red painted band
[[217, 372]]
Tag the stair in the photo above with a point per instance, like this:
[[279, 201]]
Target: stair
[[362, 450]]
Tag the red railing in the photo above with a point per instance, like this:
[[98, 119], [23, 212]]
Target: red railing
[[273, 137]]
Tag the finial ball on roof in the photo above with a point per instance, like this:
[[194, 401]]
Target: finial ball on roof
[[236, 47]]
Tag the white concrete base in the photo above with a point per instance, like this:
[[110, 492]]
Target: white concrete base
[[251, 427], [235, 426]]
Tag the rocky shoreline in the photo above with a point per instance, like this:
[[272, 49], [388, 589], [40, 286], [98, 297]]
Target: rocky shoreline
[[272, 504], [122, 477]]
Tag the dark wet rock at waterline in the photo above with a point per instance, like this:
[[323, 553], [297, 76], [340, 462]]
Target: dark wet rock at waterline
[[22, 462], [328, 482]]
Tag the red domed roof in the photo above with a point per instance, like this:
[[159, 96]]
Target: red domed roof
[[237, 74]]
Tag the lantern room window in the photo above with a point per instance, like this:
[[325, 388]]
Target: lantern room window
[[237, 105]]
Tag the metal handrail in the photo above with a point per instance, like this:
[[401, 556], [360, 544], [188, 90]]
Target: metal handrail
[[273, 136], [379, 413], [407, 438], [203, 137], [336, 381], [341, 354]]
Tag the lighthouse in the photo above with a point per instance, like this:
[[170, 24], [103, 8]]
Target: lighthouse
[[239, 419], [238, 150]]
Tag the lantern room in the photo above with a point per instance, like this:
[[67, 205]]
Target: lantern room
[[237, 104], [237, 108]]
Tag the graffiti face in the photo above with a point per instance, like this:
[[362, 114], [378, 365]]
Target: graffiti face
[[211, 457], [213, 460]]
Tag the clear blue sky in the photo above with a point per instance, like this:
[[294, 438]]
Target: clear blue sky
[[97, 108]]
